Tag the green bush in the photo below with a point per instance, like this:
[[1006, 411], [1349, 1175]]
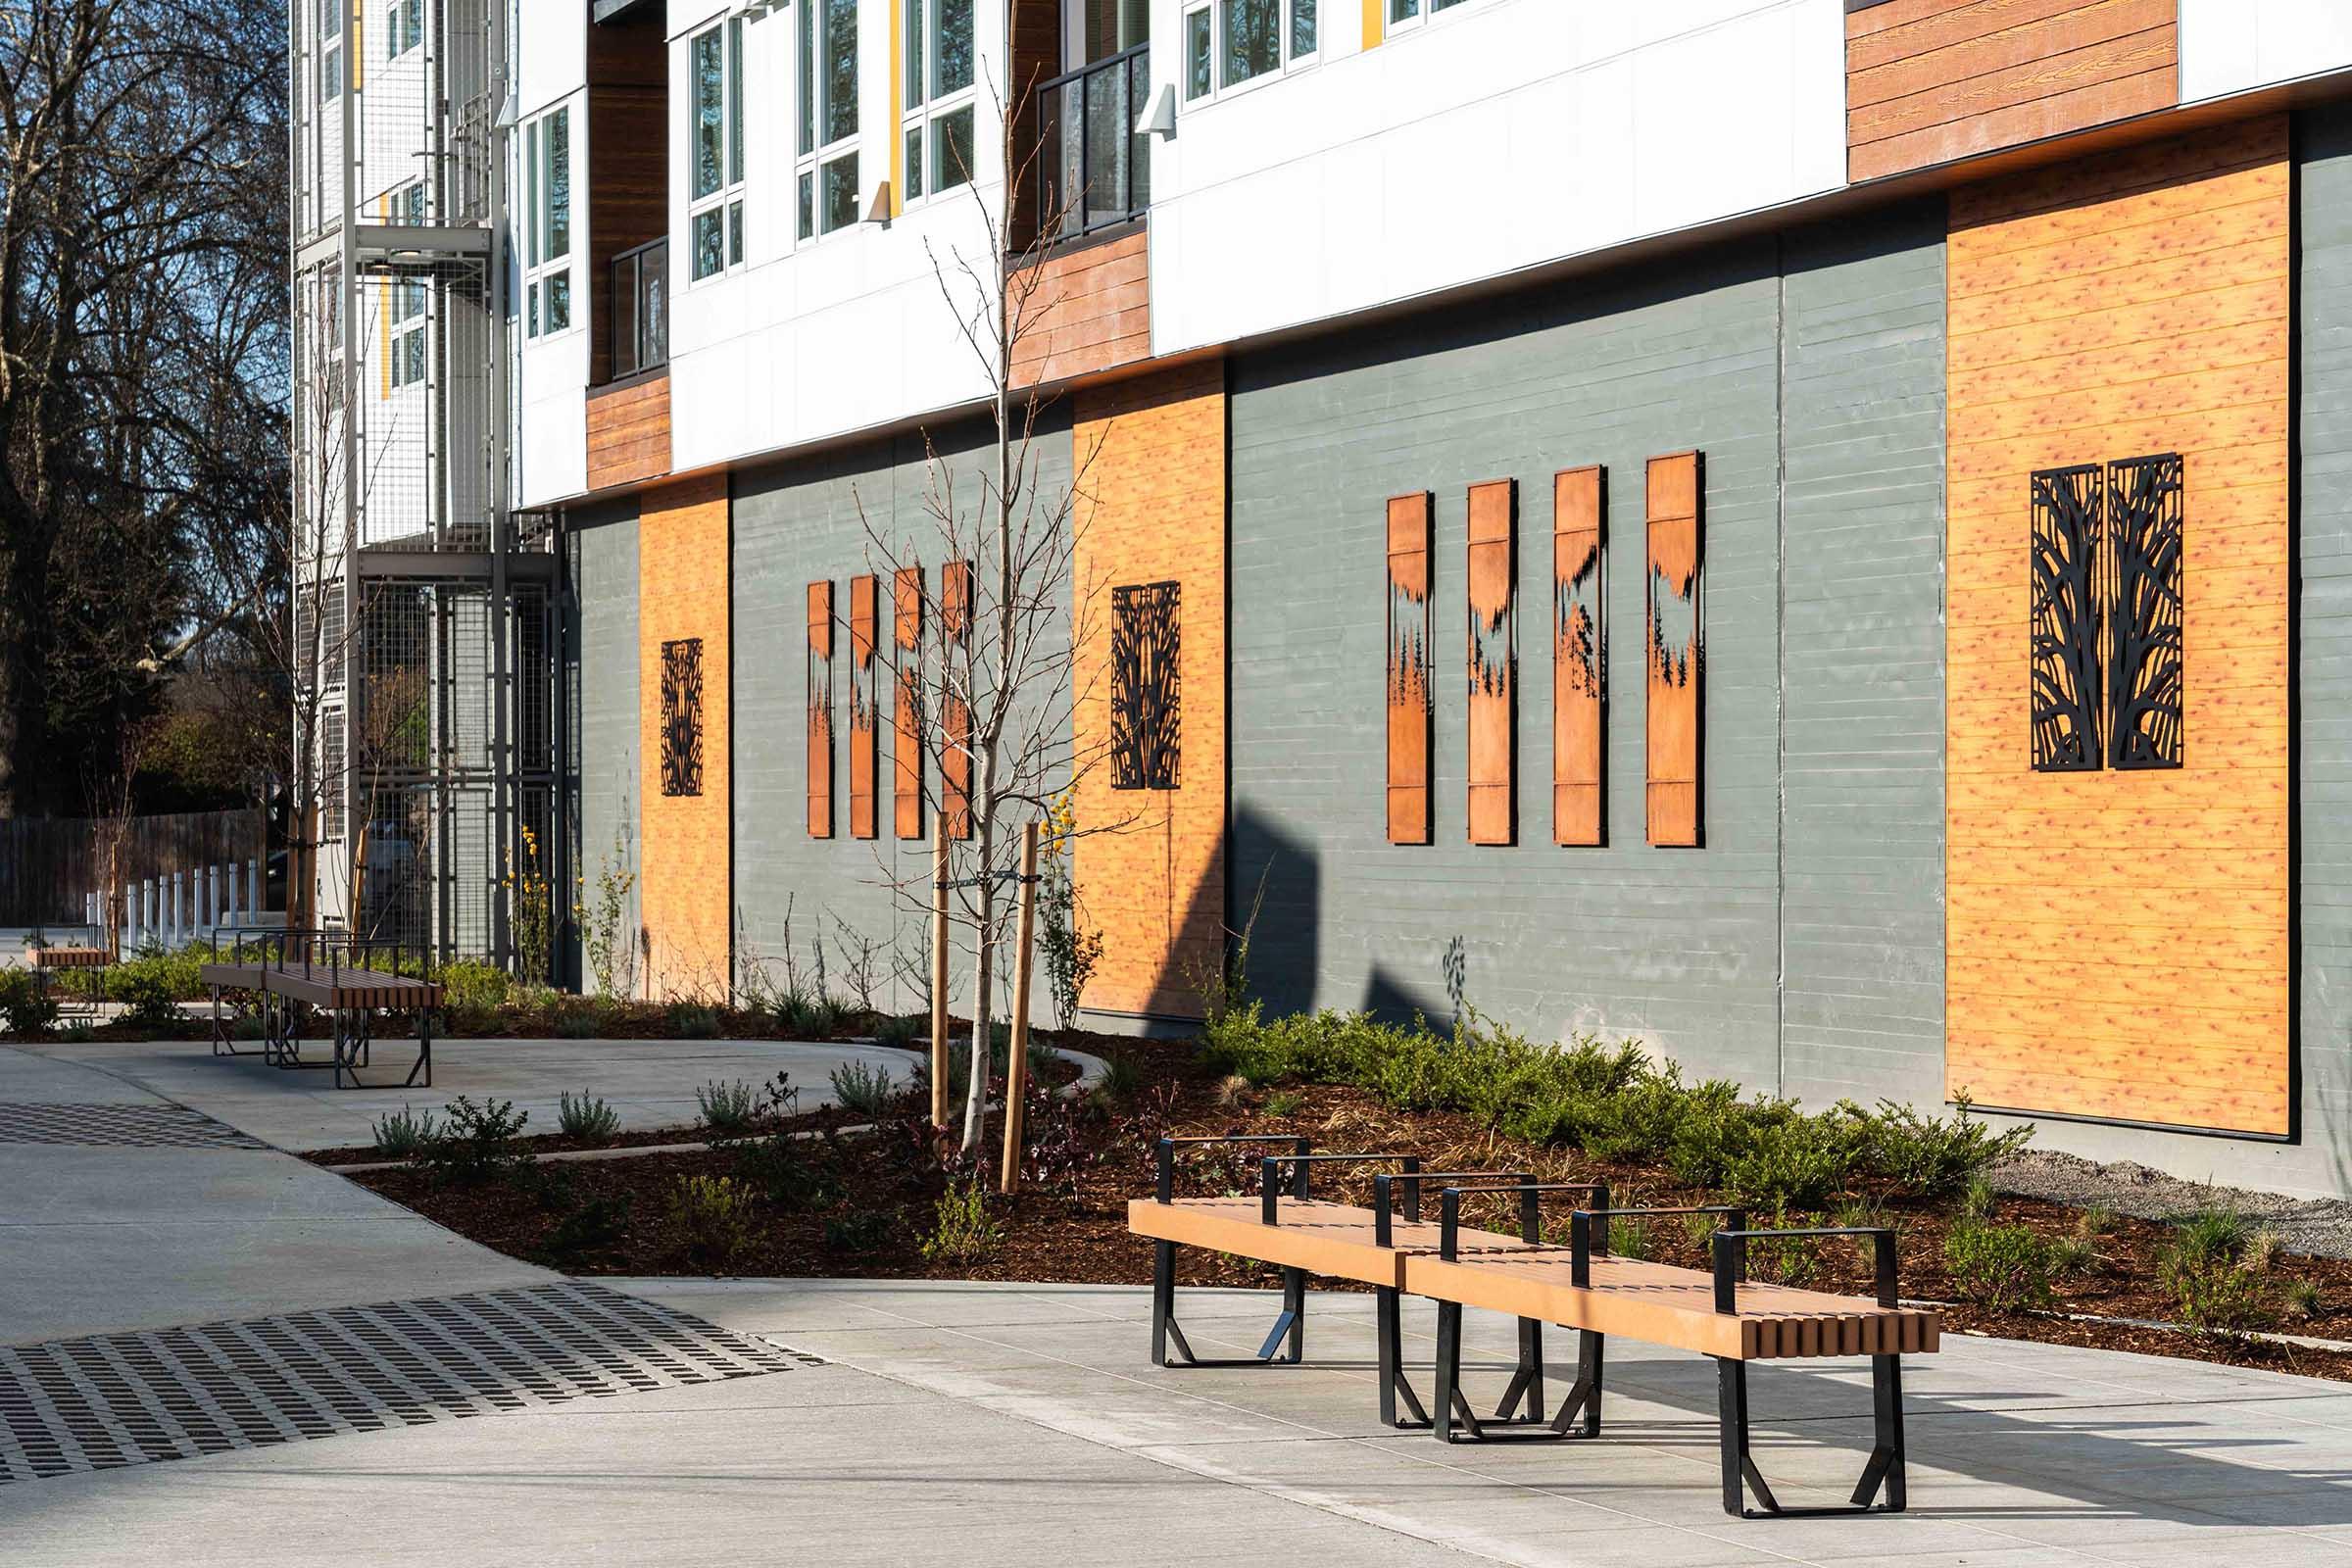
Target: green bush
[[862, 1088], [962, 1231], [715, 1215], [586, 1117], [862, 1230], [728, 1108], [145, 992], [2000, 1267], [593, 1227], [405, 1134], [579, 1023], [24, 1009], [478, 1145], [902, 1029], [2208, 1271], [471, 983], [692, 1020]]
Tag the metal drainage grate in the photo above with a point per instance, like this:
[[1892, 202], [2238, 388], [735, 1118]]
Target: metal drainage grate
[[100, 1403], [137, 1126]]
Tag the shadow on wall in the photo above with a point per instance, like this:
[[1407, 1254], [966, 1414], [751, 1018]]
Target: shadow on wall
[[1281, 878]]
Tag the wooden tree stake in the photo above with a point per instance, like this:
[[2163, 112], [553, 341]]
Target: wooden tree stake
[[1016, 1065], [939, 971]]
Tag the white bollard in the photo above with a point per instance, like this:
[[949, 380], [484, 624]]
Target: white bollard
[[236, 912], [130, 919], [176, 921], [212, 896], [253, 886], [148, 922]]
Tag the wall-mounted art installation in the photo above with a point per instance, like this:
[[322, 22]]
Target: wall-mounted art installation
[[1579, 505], [819, 685], [1146, 694], [683, 716], [1493, 662], [1409, 699], [955, 759], [2065, 708], [906, 682], [2142, 606], [1676, 648], [864, 708]]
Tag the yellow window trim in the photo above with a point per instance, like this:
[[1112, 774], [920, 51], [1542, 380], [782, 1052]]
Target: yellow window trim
[[1375, 22]]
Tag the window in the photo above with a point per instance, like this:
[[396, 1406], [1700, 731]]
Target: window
[[714, 208], [1228, 43], [404, 26], [939, 96], [547, 215], [1405, 13], [330, 49], [407, 303], [827, 138]]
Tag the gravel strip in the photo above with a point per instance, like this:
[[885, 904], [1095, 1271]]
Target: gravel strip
[[2319, 1226]]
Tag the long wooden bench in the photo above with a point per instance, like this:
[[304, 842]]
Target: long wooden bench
[[290, 989], [61, 962], [1583, 1286]]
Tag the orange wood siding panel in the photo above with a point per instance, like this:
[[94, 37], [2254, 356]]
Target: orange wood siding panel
[[1676, 643], [820, 709], [1930, 80], [2118, 941], [864, 706], [956, 757], [1577, 768], [1082, 311], [1494, 661], [1410, 709], [1152, 508], [628, 432], [906, 670], [686, 893]]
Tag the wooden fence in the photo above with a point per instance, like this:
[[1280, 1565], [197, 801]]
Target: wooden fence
[[47, 864]]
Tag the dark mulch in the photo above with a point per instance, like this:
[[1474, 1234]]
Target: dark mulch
[[1069, 1223]]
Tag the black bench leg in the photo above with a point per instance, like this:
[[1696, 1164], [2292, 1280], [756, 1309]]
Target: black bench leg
[[1528, 1379], [1166, 1332], [1883, 1472], [425, 1050], [1390, 1316], [1457, 1422], [1292, 1322]]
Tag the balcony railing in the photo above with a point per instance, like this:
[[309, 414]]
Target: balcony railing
[[1093, 169], [641, 308]]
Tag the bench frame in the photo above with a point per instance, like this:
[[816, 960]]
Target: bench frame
[[283, 1015], [1291, 1322]]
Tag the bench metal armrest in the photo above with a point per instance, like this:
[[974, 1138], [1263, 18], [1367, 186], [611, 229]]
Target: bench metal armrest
[[1586, 1241], [1412, 1181], [1531, 1219], [1165, 1187], [1730, 1259], [1269, 1181]]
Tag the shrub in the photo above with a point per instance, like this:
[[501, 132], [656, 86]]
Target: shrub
[[961, 1230], [478, 1143], [145, 991], [2094, 1222], [2208, 1273], [810, 1017], [404, 1133], [862, 1230], [1284, 1102], [471, 983], [1930, 1157], [591, 1228], [2264, 1249], [586, 1117], [1121, 1081], [902, 1029], [693, 1020], [715, 1215], [863, 1088], [2302, 1299], [1976, 1200], [2000, 1267], [24, 1008], [579, 1023], [727, 1108]]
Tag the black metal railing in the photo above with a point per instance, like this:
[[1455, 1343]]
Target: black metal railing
[[1094, 170], [641, 308]]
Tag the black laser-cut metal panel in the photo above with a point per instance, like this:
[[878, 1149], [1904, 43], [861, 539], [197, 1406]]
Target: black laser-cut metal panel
[[2142, 566], [2068, 507], [1145, 688], [683, 716]]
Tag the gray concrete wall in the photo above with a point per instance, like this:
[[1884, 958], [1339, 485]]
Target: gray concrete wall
[[795, 524], [604, 565]]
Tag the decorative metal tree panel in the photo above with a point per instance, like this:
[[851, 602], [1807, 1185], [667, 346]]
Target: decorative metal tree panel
[[820, 669], [955, 759], [1494, 661], [1578, 505], [2142, 606], [683, 716], [1146, 691], [1676, 648], [864, 708], [2068, 507], [1410, 693], [906, 667]]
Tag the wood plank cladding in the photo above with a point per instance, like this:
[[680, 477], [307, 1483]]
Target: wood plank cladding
[[627, 199], [864, 706], [956, 754], [819, 687], [1578, 505], [1409, 696], [1152, 511], [1676, 640], [2118, 939], [906, 715], [687, 891], [1087, 309], [1494, 661], [1931, 80], [628, 431]]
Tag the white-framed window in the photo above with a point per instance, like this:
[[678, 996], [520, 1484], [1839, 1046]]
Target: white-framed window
[[547, 219], [715, 192], [404, 26], [941, 100], [1231, 43], [408, 342], [825, 140], [1409, 13], [330, 49]]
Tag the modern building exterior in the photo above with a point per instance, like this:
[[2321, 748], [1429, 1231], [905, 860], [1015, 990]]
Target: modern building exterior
[[1803, 531]]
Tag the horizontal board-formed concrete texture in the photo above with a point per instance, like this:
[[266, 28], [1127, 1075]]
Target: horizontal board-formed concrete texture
[[2232, 46], [1356, 183], [687, 894], [603, 561], [1933, 80], [2119, 941]]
